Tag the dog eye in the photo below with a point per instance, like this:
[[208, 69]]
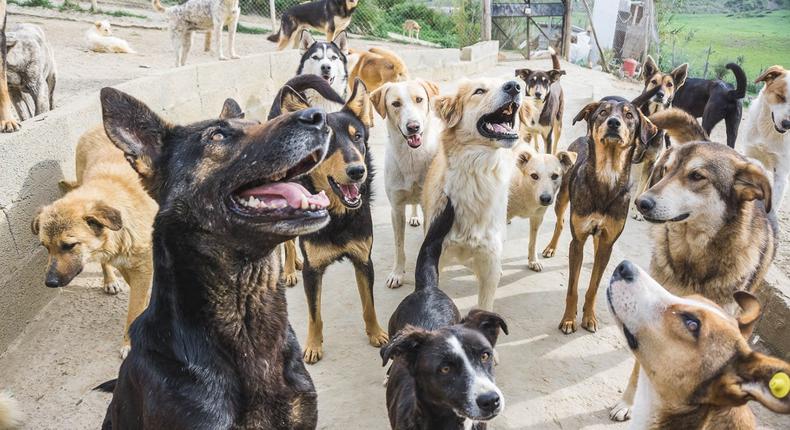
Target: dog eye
[[357, 137], [396, 104], [479, 91], [692, 324], [217, 136], [696, 176], [444, 370], [68, 246], [629, 115], [654, 82], [485, 356], [534, 176], [603, 112], [315, 57], [419, 100], [333, 58], [669, 84], [554, 176]]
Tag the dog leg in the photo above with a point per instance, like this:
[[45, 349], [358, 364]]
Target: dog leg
[[289, 268], [111, 284], [548, 140], [534, 225], [780, 183], [575, 258], [377, 336], [232, 33], [398, 214], [622, 410], [563, 199], [139, 280], [556, 133], [207, 42], [488, 269], [20, 105], [312, 279], [217, 33], [414, 220], [732, 121], [604, 243], [40, 92]]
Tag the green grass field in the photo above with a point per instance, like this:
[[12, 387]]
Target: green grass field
[[761, 41]]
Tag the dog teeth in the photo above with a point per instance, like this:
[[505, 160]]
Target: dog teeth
[[315, 157], [277, 176], [305, 203]]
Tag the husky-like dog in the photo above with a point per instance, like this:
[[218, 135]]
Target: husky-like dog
[[329, 60]]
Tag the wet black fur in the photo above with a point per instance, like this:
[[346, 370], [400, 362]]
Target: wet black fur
[[316, 14]]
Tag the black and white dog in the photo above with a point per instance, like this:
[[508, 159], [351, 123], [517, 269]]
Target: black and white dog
[[329, 61], [442, 375]]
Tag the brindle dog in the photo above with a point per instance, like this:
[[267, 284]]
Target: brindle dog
[[214, 349], [597, 188]]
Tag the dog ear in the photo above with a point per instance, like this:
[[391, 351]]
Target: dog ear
[[231, 110], [659, 169], [523, 73], [751, 183], [649, 68], [769, 74], [586, 113], [554, 75], [430, 88], [341, 41], [405, 344], [524, 157], [134, 129], [750, 312], [680, 74], [291, 100], [647, 130], [759, 377], [305, 41], [567, 159], [379, 100], [449, 109], [101, 216], [35, 225], [359, 103], [487, 323]]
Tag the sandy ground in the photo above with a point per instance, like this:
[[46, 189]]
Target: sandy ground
[[551, 381]]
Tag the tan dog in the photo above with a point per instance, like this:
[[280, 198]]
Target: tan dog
[[411, 29], [473, 169], [108, 219], [376, 67], [532, 190], [699, 371], [8, 123]]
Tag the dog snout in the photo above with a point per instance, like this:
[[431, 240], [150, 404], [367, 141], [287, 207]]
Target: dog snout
[[786, 124], [356, 172], [625, 271], [539, 94], [613, 123], [645, 204], [545, 199], [660, 95], [489, 402], [413, 127], [53, 279], [326, 68], [512, 88], [313, 117]]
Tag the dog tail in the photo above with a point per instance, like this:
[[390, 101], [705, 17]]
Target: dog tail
[[680, 125], [643, 98], [427, 269], [555, 61], [157, 5], [106, 387], [10, 415], [740, 79], [302, 83]]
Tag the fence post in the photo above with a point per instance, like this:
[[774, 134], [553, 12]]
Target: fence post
[[272, 15], [567, 30], [486, 20]]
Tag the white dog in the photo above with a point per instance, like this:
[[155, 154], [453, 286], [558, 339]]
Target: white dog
[[413, 141], [99, 38], [201, 15], [767, 137]]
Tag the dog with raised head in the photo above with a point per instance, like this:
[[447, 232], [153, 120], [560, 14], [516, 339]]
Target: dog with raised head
[[31, 70], [228, 197], [345, 177], [442, 374], [598, 190], [201, 15], [545, 120], [377, 66], [414, 130], [767, 137], [329, 60], [535, 183], [99, 38], [107, 218], [699, 371], [712, 234], [473, 167], [327, 16]]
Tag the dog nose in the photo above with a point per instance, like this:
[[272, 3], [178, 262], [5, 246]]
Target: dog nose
[[625, 271], [326, 68], [613, 123], [545, 199], [786, 124], [314, 117], [645, 204], [52, 281], [539, 95], [660, 95], [512, 88], [488, 402], [355, 172], [413, 127]]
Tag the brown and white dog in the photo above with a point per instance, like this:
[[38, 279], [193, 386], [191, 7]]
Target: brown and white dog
[[473, 169], [698, 369], [376, 67], [545, 120]]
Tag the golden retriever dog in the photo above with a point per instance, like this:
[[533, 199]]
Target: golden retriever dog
[[473, 168], [107, 218], [376, 67]]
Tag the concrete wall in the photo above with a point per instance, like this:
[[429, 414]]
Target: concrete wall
[[42, 153]]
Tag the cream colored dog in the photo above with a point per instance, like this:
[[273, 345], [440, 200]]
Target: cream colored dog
[[99, 38], [473, 169], [532, 190], [413, 141]]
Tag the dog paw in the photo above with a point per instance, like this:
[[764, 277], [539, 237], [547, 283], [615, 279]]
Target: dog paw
[[414, 221], [568, 326], [290, 279], [9, 126], [113, 288], [223, 58], [378, 338], [298, 264], [548, 252], [620, 412], [590, 323], [535, 266], [125, 351], [235, 56], [395, 279], [313, 353]]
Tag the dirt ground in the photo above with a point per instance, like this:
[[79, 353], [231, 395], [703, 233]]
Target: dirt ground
[[550, 381]]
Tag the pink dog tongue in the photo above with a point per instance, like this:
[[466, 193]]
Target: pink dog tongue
[[414, 140], [499, 128], [350, 191], [291, 192]]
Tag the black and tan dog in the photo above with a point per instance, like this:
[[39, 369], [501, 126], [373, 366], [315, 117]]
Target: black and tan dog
[[345, 177], [597, 188], [327, 16], [543, 117], [214, 348]]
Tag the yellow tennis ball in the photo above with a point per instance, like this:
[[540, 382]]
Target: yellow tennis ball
[[780, 385]]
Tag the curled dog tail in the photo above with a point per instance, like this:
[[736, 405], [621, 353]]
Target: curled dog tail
[[296, 87], [427, 270], [555, 61], [10, 415], [157, 5], [740, 79], [680, 125]]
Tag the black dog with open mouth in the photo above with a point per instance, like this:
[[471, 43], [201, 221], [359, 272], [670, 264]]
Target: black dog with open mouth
[[214, 347]]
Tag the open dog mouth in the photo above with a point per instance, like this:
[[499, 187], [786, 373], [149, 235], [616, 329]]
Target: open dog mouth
[[661, 221], [329, 78], [349, 193], [275, 198], [500, 123], [413, 140], [629, 337]]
